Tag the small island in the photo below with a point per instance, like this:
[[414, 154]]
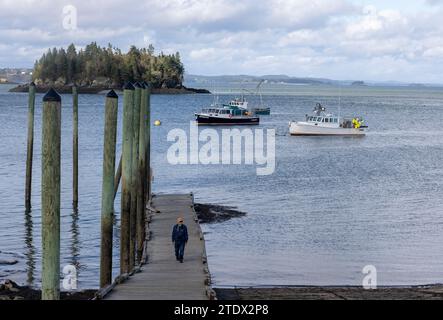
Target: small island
[[358, 84], [95, 69]]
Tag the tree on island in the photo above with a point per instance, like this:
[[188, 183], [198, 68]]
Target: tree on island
[[108, 66]]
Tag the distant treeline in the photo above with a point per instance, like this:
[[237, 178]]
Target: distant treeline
[[108, 66]]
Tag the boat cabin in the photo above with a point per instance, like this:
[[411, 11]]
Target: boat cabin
[[238, 103], [323, 119], [226, 112]]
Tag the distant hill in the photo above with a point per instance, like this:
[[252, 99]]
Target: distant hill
[[284, 79], [247, 78], [358, 83]]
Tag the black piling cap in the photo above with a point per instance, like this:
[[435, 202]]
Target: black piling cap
[[52, 96], [32, 84], [112, 94], [129, 86], [138, 85]]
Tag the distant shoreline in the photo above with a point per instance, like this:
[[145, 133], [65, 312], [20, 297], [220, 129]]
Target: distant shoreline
[[23, 88]]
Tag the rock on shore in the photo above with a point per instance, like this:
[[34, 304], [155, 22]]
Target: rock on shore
[[95, 89], [432, 292], [9, 290], [209, 213]]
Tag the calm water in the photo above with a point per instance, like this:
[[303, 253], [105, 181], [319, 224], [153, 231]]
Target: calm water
[[332, 206]]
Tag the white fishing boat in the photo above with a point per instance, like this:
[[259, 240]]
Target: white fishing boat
[[321, 123]]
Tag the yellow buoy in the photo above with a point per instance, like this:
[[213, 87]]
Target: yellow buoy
[[157, 123]]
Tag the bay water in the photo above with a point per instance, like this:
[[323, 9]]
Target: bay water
[[332, 206]]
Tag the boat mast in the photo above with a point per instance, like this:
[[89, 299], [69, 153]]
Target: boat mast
[[259, 92], [339, 102], [215, 102]]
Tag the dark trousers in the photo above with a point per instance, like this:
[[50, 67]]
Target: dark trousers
[[179, 249]]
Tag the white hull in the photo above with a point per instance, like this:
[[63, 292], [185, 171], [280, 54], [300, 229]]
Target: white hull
[[308, 129]]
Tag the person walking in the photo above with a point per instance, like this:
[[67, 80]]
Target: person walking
[[180, 238]]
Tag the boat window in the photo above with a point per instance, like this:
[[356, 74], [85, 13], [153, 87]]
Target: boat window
[[320, 119], [327, 120]]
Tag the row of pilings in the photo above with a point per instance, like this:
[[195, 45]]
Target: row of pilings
[[133, 172]]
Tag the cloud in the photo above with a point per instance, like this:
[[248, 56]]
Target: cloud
[[331, 38]]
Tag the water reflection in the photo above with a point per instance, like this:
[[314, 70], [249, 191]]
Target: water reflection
[[75, 239], [30, 249]]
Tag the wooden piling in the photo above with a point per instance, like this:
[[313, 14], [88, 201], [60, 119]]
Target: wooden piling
[[141, 190], [128, 107], [117, 178], [75, 146], [51, 140], [30, 146], [148, 143], [110, 136], [135, 173]]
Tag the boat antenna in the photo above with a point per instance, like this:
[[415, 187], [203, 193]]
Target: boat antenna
[[215, 94], [259, 92], [339, 101]]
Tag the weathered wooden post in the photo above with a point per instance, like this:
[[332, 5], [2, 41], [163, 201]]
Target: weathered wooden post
[[51, 140], [118, 176], [75, 146], [128, 107], [135, 173], [110, 137], [30, 147], [148, 142], [141, 190]]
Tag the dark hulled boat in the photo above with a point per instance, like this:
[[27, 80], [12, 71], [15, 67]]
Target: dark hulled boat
[[226, 115]]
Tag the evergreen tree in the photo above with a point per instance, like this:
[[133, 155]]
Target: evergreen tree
[[109, 62]]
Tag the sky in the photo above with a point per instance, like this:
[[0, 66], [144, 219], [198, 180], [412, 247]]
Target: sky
[[370, 40]]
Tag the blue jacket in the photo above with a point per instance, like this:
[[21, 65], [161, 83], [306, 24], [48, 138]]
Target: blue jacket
[[180, 235]]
